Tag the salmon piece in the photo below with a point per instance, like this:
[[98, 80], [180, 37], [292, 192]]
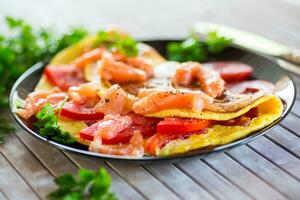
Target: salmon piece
[[115, 101], [168, 99], [134, 148], [209, 81], [88, 57], [111, 125], [120, 72], [140, 64], [84, 93], [36, 101]]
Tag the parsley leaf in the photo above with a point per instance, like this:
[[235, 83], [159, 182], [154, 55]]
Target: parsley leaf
[[116, 41], [48, 126], [194, 49], [86, 184], [215, 43]]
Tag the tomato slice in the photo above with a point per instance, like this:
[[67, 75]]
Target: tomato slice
[[125, 135], [252, 86], [88, 132], [174, 128], [147, 127], [173, 125], [159, 140], [64, 76], [231, 71], [80, 112], [141, 120]]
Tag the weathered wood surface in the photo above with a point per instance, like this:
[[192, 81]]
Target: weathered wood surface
[[267, 168]]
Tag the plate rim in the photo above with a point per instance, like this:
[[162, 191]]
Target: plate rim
[[194, 153]]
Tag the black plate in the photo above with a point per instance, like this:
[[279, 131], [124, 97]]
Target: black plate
[[264, 68]]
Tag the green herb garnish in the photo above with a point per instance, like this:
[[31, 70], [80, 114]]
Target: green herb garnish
[[47, 123], [86, 184], [116, 41], [21, 46], [194, 49]]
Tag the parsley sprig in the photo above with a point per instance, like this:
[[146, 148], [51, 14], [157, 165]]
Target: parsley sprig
[[194, 49], [117, 41], [47, 122], [86, 184]]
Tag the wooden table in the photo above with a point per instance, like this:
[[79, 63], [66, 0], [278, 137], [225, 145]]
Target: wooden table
[[267, 168]]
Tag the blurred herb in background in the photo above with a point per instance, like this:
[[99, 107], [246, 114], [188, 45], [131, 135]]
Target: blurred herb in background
[[195, 49], [121, 42], [21, 46]]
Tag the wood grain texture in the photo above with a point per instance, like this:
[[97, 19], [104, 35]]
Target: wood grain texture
[[286, 140], [277, 155], [55, 161], [211, 180], [30, 168], [178, 182], [142, 180], [270, 173], [242, 178], [265, 169], [12, 178]]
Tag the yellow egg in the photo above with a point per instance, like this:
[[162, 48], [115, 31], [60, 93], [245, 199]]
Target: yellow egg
[[268, 111], [73, 127]]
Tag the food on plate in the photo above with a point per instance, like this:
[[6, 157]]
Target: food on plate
[[118, 96]]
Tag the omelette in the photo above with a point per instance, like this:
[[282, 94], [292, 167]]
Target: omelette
[[136, 103]]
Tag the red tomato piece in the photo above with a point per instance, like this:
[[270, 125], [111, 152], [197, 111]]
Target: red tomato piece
[[147, 127], [231, 71], [180, 125], [141, 120], [88, 132], [80, 112], [125, 135], [252, 86], [159, 140], [64, 76]]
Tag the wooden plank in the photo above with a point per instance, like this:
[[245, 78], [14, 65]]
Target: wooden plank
[[10, 179], [142, 180], [270, 173], [291, 122], [27, 166], [277, 155], [2, 197], [296, 107], [286, 139], [242, 178], [211, 180], [297, 83], [177, 181], [55, 161], [122, 189]]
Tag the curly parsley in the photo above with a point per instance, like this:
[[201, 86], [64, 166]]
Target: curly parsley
[[47, 123], [194, 49], [86, 184]]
